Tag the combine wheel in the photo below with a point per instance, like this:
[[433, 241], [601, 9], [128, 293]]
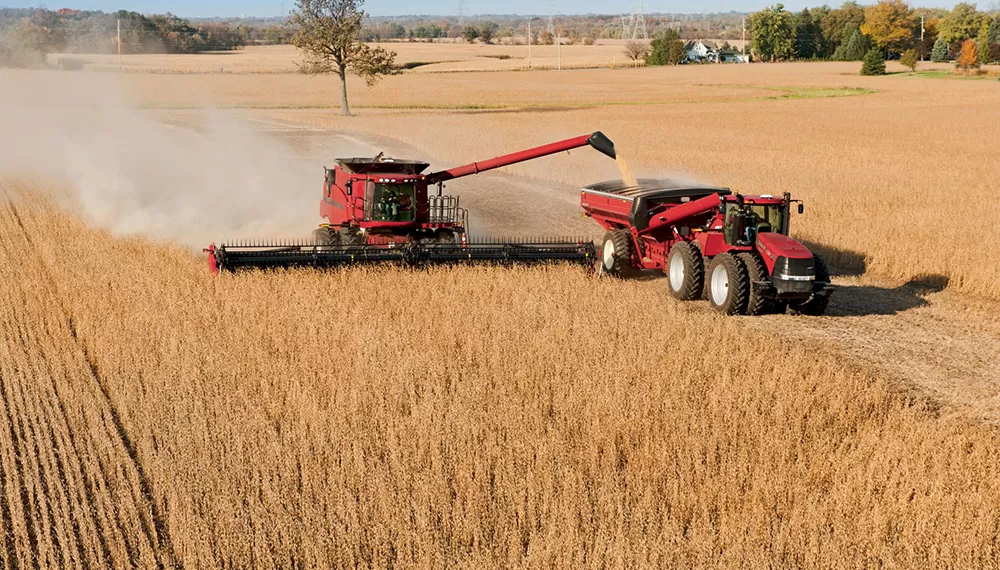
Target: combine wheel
[[446, 237], [685, 271], [815, 306], [616, 252], [324, 236], [728, 285], [757, 304]]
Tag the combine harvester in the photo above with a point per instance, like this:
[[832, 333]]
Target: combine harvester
[[731, 249], [381, 210]]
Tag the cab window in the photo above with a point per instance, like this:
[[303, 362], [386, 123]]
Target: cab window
[[391, 202], [771, 215]]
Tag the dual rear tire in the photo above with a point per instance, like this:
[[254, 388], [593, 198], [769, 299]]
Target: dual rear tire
[[728, 284], [685, 271]]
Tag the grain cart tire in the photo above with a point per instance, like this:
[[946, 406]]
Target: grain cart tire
[[685, 272], [728, 285], [815, 306], [616, 252], [324, 236], [757, 304]]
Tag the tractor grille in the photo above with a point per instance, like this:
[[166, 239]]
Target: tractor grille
[[793, 275]]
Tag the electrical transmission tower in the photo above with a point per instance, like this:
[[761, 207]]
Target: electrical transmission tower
[[634, 25], [461, 10], [551, 27]]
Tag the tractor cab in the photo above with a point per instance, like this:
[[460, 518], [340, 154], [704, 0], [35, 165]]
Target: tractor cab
[[746, 216]]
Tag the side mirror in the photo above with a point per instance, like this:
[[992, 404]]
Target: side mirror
[[802, 208], [350, 189]]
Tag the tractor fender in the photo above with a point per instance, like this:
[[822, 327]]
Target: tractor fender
[[772, 245]]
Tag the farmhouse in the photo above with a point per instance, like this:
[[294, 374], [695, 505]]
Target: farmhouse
[[699, 51]]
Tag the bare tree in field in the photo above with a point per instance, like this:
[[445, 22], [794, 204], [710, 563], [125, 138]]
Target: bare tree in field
[[636, 50], [328, 34]]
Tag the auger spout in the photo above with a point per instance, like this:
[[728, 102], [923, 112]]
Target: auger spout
[[597, 140]]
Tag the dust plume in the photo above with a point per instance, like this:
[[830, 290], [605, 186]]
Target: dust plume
[[201, 177]]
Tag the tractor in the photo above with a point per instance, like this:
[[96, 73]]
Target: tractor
[[712, 243]]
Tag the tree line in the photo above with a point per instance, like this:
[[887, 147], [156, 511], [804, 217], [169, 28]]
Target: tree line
[[890, 27], [26, 35]]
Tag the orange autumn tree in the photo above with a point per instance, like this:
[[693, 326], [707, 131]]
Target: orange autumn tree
[[969, 57]]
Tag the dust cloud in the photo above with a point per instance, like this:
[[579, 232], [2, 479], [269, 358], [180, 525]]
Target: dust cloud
[[192, 177]]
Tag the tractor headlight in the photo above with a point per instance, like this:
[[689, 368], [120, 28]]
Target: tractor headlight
[[787, 277]]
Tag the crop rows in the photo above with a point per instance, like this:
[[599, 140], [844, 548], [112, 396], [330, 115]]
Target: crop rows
[[467, 417]]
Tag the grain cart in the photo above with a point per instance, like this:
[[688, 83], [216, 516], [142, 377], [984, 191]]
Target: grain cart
[[384, 210], [732, 249]]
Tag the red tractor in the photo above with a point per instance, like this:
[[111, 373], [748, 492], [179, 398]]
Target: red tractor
[[732, 249], [382, 210]]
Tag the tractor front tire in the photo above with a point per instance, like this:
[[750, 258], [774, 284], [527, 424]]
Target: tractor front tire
[[757, 304], [616, 253], [815, 306], [728, 285], [685, 271]]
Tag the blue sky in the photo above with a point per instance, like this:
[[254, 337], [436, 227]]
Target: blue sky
[[193, 8]]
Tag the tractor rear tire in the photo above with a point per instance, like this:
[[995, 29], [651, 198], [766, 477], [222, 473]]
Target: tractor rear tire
[[324, 236], [757, 304], [616, 253], [815, 306], [729, 285], [685, 271]]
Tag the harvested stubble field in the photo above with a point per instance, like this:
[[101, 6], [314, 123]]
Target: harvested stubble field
[[433, 58], [532, 417]]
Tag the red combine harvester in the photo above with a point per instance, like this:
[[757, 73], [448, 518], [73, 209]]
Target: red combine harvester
[[733, 250], [381, 210]]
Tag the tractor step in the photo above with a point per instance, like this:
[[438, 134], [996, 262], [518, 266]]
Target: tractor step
[[280, 255]]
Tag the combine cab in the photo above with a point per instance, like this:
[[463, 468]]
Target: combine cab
[[732, 249], [387, 210]]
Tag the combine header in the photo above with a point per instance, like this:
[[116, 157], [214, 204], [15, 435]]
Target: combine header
[[382, 210]]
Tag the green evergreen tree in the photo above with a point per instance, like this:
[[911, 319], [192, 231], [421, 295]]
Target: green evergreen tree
[[854, 48], [940, 52], [807, 35], [667, 49], [994, 30], [874, 63]]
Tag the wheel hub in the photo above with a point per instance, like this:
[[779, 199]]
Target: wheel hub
[[609, 255], [720, 285], [676, 273]]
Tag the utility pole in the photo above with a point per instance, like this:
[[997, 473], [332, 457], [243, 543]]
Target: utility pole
[[921, 37], [744, 36], [529, 42], [119, 44], [558, 53]]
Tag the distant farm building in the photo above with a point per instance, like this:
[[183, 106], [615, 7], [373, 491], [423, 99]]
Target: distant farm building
[[705, 51], [702, 51]]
